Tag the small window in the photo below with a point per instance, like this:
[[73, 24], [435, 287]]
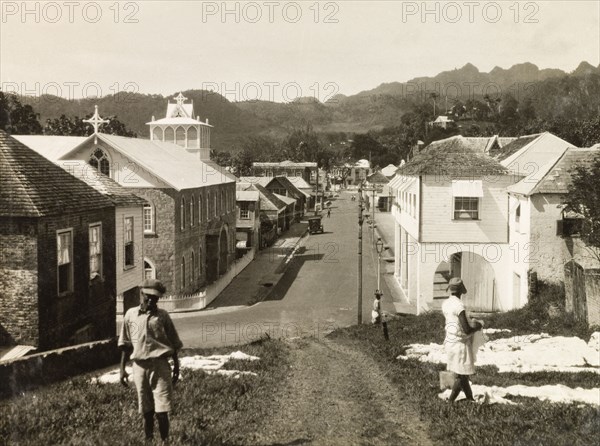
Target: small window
[[99, 161], [518, 218], [215, 210], [95, 248], [244, 210], [129, 245], [200, 210], [222, 210], [298, 173], [64, 247], [148, 219], [149, 270], [269, 173], [466, 208]]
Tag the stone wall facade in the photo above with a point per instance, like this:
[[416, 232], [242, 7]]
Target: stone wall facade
[[19, 317]]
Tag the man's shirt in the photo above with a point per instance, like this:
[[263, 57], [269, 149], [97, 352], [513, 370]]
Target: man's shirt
[[151, 334]]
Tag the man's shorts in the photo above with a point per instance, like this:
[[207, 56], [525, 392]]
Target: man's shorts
[[152, 378]]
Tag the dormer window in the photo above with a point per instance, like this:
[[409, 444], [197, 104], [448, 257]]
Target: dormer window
[[99, 161]]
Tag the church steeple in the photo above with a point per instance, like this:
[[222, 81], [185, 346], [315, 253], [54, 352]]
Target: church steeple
[[179, 127]]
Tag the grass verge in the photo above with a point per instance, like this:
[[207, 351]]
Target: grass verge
[[208, 409], [532, 422]]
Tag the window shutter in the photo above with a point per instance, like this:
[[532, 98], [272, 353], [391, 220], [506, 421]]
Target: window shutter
[[559, 227]]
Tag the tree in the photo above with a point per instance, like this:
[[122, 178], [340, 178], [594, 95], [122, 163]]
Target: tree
[[221, 157], [75, 126], [16, 118], [583, 198]]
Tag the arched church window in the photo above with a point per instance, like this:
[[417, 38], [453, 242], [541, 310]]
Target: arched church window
[[99, 161]]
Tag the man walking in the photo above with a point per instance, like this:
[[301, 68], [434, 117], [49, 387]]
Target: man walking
[[148, 334]]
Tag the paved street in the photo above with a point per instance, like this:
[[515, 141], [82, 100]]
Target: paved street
[[317, 293]]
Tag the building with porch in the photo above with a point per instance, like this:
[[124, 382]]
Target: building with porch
[[451, 210], [248, 220]]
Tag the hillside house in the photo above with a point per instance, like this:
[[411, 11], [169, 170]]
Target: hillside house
[[58, 253]]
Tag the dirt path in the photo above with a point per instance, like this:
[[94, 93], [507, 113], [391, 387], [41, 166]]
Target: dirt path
[[336, 395]]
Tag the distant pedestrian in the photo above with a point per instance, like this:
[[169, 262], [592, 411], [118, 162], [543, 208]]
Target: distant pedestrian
[[459, 338], [376, 311], [328, 212], [148, 334]]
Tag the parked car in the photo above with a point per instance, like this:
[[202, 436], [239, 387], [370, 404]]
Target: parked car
[[315, 224]]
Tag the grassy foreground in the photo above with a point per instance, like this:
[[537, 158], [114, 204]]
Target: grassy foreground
[[209, 409], [531, 423], [220, 410]]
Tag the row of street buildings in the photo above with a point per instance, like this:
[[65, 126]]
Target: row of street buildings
[[83, 220]]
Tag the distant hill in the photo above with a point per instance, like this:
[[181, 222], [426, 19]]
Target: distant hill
[[552, 92]]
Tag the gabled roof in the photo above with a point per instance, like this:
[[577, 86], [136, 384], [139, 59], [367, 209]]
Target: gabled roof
[[167, 161], [299, 183], [555, 176], [286, 200], [454, 156], [534, 151], [247, 195], [389, 170], [263, 181], [51, 147], [378, 178], [32, 186], [513, 147], [268, 200], [118, 194]]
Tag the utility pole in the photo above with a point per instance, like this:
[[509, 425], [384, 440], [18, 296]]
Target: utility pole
[[360, 224], [373, 220]]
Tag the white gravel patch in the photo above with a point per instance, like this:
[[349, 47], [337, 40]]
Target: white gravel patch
[[553, 393], [210, 364]]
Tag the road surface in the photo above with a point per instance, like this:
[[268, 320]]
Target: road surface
[[317, 294]]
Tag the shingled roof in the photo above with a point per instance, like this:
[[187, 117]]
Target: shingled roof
[[118, 194], [555, 177], [513, 147], [454, 156], [32, 186]]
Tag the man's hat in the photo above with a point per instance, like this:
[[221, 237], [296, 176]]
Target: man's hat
[[153, 287], [456, 284]]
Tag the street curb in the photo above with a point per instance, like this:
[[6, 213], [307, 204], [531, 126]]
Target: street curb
[[263, 293]]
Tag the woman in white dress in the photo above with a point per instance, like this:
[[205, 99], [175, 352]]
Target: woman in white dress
[[459, 336]]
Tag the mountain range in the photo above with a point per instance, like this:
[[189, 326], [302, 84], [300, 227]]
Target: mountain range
[[372, 109]]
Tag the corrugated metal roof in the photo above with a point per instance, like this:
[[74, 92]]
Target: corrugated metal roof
[[299, 182], [555, 176], [179, 121], [247, 195], [15, 352], [169, 162], [286, 200], [32, 186], [51, 147]]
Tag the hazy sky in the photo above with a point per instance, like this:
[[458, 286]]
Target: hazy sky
[[279, 50]]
